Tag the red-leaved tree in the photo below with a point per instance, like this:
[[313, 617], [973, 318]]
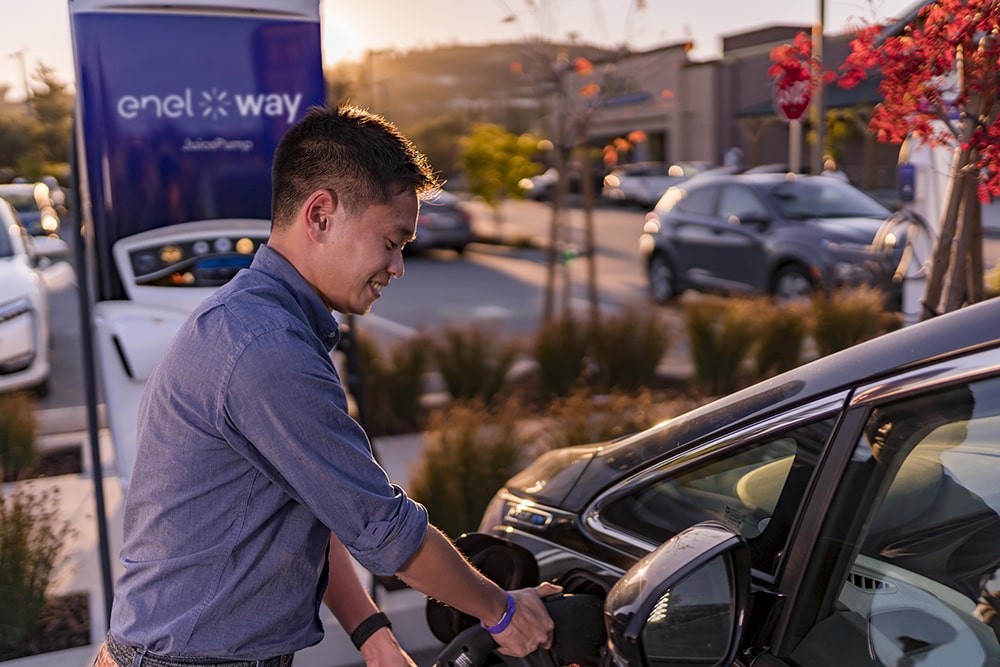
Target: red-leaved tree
[[940, 81]]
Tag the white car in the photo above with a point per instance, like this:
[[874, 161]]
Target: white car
[[26, 274], [643, 183]]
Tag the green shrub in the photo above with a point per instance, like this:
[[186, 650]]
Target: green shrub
[[18, 428], [469, 453], [721, 333], [781, 331], [848, 317], [992, 283], [560, 348], [474, 361], [627, 348], [393, 384], [31, 538]]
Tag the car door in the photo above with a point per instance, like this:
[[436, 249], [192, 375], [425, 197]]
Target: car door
[[904, 567], [690, 230], [739, 257]]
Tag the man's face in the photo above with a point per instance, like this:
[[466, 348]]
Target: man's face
[[366, 253]]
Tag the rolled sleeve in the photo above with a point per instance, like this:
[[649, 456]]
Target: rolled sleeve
[[384, 546]]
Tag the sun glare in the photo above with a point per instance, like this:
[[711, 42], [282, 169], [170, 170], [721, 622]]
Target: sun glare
[[340, 39]]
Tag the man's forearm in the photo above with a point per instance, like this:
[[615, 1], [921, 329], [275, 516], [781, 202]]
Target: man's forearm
[[345, 595], [439, 570]]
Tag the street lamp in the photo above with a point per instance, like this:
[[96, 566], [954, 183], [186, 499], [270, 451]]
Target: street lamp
[[19, 54], [816, 113]]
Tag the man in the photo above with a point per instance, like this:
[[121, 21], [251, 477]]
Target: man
[[248, 460]]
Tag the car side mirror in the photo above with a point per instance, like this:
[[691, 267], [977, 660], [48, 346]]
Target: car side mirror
[[684, 602], [49, 247]]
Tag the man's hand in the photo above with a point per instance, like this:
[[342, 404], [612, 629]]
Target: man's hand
[[382, 650], [531, 626]]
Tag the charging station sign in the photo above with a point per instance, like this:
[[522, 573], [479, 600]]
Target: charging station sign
[[180, 113]]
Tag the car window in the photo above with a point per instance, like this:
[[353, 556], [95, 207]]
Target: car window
[[823, 198], [756, 490], [22, 199], [6, 249], [739, 202], [917, 524], [7, 217], [699, 201]]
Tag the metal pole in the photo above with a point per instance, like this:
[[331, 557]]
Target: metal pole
[[795, 146], [816, 114], [90, 390]]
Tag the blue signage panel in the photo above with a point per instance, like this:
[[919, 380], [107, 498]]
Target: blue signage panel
[[181, 113]]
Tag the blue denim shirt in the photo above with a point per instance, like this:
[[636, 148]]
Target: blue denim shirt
[[247, 460]]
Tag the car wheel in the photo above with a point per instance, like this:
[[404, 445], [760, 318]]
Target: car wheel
[[662, 281], [792, 283]]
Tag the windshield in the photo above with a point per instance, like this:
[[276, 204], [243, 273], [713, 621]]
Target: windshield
[[6, 249], [823, 198], [22, 199]]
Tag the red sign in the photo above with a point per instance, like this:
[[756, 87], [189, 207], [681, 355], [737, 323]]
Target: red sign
[[792, 100]]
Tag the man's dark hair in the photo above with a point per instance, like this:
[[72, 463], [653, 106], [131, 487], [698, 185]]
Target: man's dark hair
[[357, 154]]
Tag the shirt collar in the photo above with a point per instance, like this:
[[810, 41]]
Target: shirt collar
[[269, 261]]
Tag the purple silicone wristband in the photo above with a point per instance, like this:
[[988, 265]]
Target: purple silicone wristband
[[504, 620]]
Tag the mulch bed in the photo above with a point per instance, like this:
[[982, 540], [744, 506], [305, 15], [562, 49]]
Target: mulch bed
[[64, 623], [58, 461]]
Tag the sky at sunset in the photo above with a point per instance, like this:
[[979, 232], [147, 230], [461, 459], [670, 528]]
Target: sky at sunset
[[37, 31]]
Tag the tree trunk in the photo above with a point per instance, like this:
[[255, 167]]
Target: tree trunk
[[940, 261], [590, 251], [498, 221], [956, 280], [555, 235]]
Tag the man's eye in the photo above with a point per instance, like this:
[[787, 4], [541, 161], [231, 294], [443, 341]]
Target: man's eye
[[390, 244]]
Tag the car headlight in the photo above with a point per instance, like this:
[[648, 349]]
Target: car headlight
[[14, 309], [844, 247], [507, 510], [18, 326]]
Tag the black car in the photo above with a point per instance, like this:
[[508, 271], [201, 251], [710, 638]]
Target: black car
[[443, 223], [766, 233], [844, 513]]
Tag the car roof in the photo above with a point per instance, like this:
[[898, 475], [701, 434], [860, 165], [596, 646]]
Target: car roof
[[969, 328]]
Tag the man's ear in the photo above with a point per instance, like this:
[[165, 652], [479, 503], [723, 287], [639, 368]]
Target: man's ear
[[319, 211]]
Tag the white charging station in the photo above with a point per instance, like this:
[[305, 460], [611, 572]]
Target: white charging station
[[165, 273]]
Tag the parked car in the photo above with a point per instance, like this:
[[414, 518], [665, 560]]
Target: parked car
[[766, 233], [443, 223], [643, 183], [25, 275], [34, 204], [842, 513], [541, 186]]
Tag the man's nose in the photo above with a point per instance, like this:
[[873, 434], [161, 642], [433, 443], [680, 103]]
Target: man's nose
[[396, 268]]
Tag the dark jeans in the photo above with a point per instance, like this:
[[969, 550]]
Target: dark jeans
[[114, 654]]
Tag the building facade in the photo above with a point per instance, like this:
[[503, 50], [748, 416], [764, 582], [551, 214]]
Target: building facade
[[660, 106]]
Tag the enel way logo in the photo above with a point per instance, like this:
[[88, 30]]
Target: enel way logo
[[214, 104]]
